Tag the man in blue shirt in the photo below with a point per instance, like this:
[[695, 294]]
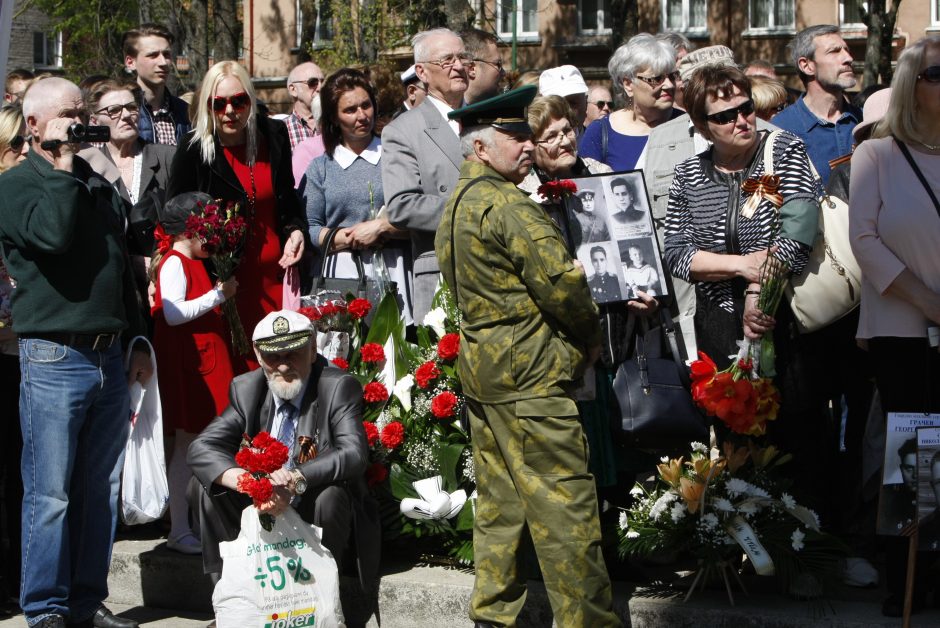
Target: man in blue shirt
[[822, 117]]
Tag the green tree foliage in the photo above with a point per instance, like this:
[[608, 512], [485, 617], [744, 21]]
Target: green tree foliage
[[93, 33]]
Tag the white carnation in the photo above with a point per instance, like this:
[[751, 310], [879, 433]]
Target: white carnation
[[796, 540], [736, 486], [723, 505], [623, 521], [788, 502], [632, 534], [710, 520], [661, 505], [678, 512], [699, 447]]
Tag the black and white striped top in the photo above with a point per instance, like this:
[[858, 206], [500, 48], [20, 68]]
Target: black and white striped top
[[698, 212]]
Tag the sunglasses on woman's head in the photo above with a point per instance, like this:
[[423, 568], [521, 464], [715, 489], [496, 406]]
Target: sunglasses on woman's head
[[931, 74], [730, 115], [239, 102]]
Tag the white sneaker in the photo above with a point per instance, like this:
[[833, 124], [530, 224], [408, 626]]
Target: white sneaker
[[858, 572], [185, 544]]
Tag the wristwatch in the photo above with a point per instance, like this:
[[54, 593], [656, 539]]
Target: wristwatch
[[299, 483]]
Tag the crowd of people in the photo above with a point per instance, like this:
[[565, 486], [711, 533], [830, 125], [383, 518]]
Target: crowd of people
[[437, 176]]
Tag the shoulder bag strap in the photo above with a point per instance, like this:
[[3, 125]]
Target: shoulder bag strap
[[453, 222], [670, 333], [920, 175], [769, 152], [604, 140]]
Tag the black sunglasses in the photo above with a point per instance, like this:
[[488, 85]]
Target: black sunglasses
[[931, 74], [16, 144], [239, 102], [730, 115], [311, 82], [600, 104]]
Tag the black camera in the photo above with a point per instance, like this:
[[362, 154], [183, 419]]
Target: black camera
[[79, 132]]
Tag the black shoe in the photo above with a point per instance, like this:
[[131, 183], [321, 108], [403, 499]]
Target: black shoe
[[51, 621], [104, 618]]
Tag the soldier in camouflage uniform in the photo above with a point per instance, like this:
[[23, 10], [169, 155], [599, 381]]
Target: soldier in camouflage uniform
[[529, 326]]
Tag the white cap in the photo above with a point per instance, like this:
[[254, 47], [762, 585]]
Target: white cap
[[562, 81], [409, 75], [284, 330]]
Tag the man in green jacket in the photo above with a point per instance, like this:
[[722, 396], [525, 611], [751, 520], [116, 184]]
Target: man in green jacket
[[62, 238], [529, 329]]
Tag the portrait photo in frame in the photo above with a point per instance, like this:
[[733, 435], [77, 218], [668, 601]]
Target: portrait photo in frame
[[611, 232]]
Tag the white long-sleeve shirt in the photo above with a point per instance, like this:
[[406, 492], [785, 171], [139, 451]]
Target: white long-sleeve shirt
[[176, 309]]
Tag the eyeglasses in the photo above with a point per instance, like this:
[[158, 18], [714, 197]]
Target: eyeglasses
[[556, 139], [311, 82], [114, 111], [931, 74], [656, 81], [16, 144], [498, 64], [239, 102], [446, 63], [600, 104], [730, 115]]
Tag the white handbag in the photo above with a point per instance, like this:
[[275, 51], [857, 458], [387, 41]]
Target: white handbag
[[831, 284]]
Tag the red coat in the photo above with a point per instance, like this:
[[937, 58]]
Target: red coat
[[193, 359]]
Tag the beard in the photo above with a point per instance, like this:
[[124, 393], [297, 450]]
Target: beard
[[283, 389]]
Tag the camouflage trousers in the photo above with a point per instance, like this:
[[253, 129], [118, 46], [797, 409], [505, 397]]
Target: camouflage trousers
[[532, 471]]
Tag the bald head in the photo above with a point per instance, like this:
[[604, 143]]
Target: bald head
[[46, 94], [302, 87]]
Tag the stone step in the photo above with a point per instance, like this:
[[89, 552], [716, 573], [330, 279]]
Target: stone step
[[146, 577]]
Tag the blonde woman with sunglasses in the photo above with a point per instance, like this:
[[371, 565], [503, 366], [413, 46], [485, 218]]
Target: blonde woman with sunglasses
[[236, 154]]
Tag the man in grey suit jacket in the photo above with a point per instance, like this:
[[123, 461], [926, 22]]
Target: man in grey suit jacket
[[421, 155], [317, 410]]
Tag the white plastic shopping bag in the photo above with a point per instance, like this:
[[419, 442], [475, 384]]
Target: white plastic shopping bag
[[278, 579], [144, 489]]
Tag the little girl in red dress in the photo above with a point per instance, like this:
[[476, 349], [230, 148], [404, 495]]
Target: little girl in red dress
[[190, 341]]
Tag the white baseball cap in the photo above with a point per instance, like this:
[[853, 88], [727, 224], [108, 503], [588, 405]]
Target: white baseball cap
[[564, 80]]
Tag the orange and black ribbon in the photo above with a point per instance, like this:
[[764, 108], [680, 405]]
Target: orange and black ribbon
[[766, 186]]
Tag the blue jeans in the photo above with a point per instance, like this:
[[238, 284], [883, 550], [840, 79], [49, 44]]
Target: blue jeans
[[74, 411]]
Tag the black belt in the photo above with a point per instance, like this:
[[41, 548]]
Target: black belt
[[95, 342]]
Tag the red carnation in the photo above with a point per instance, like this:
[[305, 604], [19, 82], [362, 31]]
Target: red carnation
[[443, 406], [375, 392], [376, 474], [372, 352], [393, 434], [310, 312], [558, 189], [359, 308], [372, 432], [448, 347], [427, 373], [341, 363], [262, 440], [259, 490]]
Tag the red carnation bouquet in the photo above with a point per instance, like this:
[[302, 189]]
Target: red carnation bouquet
[[337, 314], [260, 457], [222, 231], [557, 190]]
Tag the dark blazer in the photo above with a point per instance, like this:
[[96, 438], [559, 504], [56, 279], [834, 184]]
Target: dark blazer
[[331, 413], [189, 173]]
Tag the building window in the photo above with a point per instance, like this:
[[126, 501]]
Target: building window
[[47, 49], [685, 15], [527, 18], [935, 13], [771, 14], [850, 12], [594, 17]]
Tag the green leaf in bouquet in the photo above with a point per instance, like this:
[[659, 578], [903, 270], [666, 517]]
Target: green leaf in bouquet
[[400, 481], [464, 519], [385, 320], [768, 356], [448, 458], [424, 338]]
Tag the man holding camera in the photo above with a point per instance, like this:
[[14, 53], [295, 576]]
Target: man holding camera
[[62, 238]]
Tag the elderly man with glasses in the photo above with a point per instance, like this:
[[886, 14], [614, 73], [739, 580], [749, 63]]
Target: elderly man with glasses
[[303, 85], [421, 160]]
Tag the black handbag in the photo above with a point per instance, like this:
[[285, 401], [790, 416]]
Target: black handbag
[[336, 287], [653, 400]]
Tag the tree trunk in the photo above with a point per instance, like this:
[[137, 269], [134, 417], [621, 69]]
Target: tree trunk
[[227, 40], [459, 14], [196, 26], [880, 22], [624, 13]]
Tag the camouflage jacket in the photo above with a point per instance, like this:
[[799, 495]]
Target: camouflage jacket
[[528, 316]]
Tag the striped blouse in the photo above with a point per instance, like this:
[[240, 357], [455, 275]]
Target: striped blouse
[[699, 204]]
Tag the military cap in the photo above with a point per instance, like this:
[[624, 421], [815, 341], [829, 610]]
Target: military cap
[[506, 112], [282, 331], [586, 193]]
